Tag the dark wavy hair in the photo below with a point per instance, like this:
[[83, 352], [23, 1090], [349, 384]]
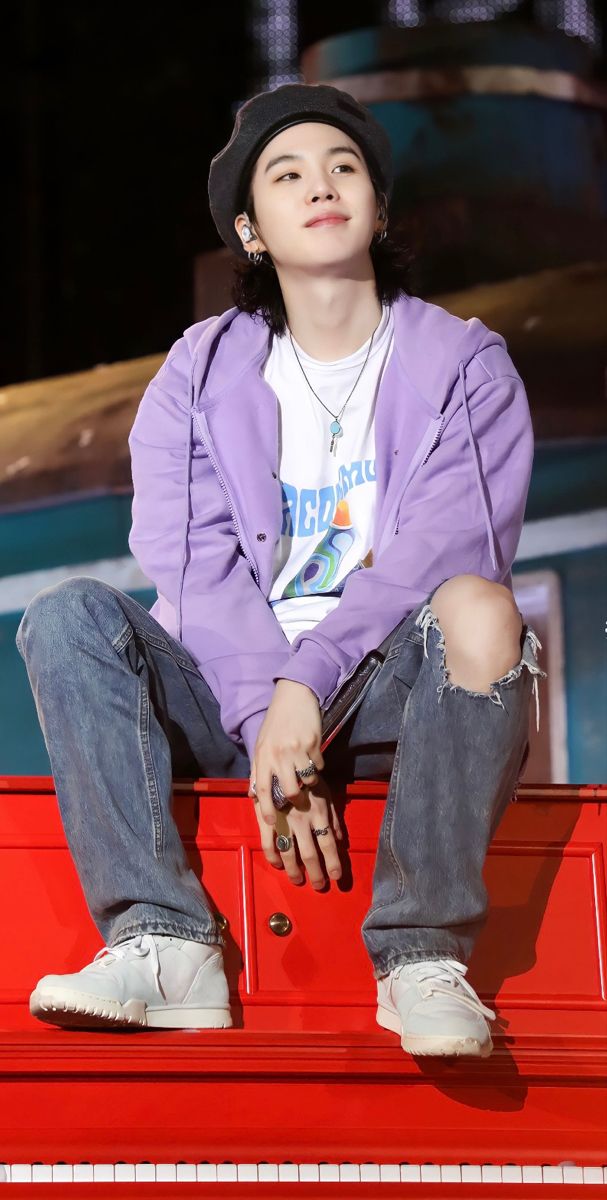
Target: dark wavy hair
[[256, 288]]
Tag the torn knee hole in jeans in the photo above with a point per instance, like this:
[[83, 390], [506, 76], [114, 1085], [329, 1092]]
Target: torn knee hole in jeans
[[428, 620]]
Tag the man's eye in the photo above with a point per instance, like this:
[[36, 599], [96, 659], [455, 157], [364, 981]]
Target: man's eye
[[287, 173]]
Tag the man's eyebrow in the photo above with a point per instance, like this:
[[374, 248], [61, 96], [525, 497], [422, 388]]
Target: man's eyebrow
[[293, 157]]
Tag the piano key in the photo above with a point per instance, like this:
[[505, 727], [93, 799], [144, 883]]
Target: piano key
[[451, 1173], [227, 1173], [145, 1172], [42, 1173], [389, 1173], [125, 1173], [349, 1173], [288, 1172], [329, 1172], [512, 1173], [552, 1175], [471, 1173], [247, 1173], [268, 1172], [572, 1174], [430, 1173], [103, 1172], [410, 1172], [62, 1173], [491, 1173], [592, 1174], [20, 1173], [532, 1174], [309, 1172], [83, 1173], [369, 1172], [206, 1173], [166, 1173]]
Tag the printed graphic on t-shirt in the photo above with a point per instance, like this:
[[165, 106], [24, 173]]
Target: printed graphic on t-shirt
[[324, 514]]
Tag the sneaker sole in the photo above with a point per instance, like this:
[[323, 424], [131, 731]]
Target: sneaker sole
[[80, 1010], [433, 1044]]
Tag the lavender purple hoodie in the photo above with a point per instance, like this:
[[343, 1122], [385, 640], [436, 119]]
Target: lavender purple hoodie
[[454, 450]]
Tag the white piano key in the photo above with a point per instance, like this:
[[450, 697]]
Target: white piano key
[[369, 1172], [572, 1174], [389, 1172], [592, 1174], [166, 1173], [83, 1173], [309, 1172], [227, 1173], [62, 1173], [471, 1173], [552, 1175], [604, 1174], [328, 1172], [349, 1173], [268, 1172], [491, 1173], [288, 1172], [20, 1173], [512, 1173], [430, 1173], [451, 1173], [125, 1173], [410, 1173], [206, 1172], [532, 1174], [5, 1173], [42, 1173], [145, 1172], [103, 1172], [247, 1172]]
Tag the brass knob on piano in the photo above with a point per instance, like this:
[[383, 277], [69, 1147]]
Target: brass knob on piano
[[221, 921], [280, 924]]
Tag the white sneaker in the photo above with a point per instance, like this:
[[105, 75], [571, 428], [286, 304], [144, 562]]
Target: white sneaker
[[146, 980], [434, 1009]]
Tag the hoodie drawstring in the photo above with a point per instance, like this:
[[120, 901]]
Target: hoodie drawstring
[[186, 522], [479, 481]]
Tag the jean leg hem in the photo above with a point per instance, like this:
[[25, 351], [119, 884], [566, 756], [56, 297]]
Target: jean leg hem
[[166, 929], [409, 956]]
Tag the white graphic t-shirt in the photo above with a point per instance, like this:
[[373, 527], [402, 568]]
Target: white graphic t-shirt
[[328, 501]]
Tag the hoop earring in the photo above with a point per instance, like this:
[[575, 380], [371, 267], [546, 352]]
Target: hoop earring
[[256, 257]]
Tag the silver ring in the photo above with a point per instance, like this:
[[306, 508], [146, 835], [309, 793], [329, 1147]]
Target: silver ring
[[307, 771], [283, 843], [321, 832]]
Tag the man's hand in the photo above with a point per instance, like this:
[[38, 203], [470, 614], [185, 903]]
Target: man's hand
[[288, 739], [313, 809]]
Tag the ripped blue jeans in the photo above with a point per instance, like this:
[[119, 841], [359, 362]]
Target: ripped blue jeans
[[124, 710]]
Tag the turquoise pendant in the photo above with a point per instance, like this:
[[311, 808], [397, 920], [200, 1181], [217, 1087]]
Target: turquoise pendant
[[336, 431]]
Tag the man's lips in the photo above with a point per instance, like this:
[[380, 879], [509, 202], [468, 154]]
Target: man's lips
[[326, 221]]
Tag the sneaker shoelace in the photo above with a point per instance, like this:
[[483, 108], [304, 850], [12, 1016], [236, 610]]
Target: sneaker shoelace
[[140, 945], [434, 975]]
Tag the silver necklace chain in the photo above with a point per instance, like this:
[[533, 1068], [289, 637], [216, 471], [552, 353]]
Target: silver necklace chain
[[335, 427]]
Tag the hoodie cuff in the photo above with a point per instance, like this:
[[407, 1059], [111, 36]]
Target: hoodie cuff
[[312, 667], [249, 731]]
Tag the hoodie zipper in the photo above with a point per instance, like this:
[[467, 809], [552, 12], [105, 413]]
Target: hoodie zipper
[[227, 496], [433, 444]]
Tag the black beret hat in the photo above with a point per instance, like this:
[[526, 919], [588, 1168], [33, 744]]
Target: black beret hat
[[259, 119]]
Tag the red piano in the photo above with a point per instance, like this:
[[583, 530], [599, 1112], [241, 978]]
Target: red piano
[[306, 1095]]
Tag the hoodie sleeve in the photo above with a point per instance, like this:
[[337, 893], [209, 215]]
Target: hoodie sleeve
[[183, 537], [462, 513]]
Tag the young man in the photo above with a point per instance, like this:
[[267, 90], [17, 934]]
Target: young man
[[329, 466]]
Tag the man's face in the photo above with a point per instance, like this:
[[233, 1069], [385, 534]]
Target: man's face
[[306, 171]]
